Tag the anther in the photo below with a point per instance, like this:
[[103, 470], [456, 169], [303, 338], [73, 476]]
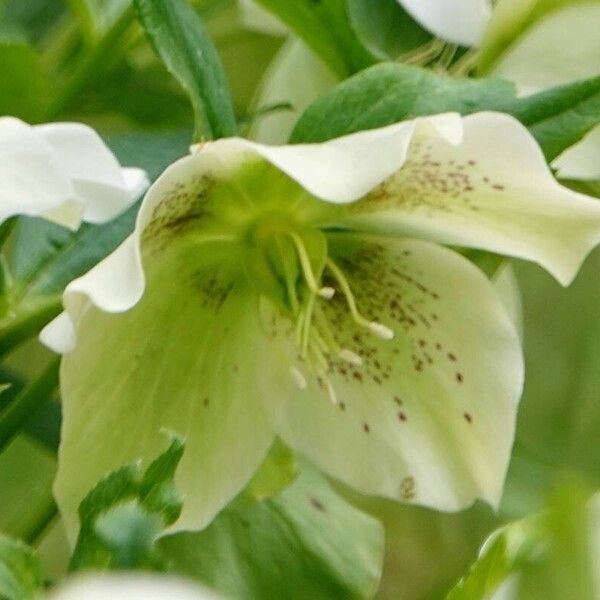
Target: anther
[[351, 357], [326, 292], [298, 378], [380, 330]]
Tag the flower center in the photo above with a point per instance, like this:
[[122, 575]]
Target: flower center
[[286, 262]]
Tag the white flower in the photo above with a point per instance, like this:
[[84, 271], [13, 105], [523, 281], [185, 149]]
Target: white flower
[[458, 21], [62, 172], [130, 586], [299, 291]]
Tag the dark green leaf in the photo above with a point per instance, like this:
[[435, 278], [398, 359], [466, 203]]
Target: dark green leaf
[[122, 517], [326, 28], [187, 51], [389, 93], [20, 576], [306, 543]]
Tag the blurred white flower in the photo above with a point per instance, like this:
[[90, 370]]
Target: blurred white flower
[[63, 172]]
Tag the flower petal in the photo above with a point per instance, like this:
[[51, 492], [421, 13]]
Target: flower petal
[[532, 61], [184, 359], [295, 77], [62, 172], [130, 586], [493, 191], [458, 21], [581, 161], [429, 417], [95, 173]]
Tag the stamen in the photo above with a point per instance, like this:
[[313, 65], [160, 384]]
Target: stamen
[[351, 357], [309, 276], [374, 327], [298, 378], [330, 391]]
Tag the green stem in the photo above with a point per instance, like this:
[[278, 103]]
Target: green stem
[[30, 399], [91, 63], [28, 324]]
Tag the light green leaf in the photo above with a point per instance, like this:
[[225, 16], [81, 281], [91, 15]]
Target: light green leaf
[[545, 556], [306, 543], [123, 515], [326, 28], [22, 92], [389, 93], [385, 28], [20, 577], [187, 51]]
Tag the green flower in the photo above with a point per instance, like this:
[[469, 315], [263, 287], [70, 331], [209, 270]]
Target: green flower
[[299, 292]]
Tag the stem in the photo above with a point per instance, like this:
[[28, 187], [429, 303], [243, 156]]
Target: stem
[[91, 63], [26, 325], [30, 399]]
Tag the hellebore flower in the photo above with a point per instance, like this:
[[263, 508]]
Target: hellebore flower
[[298, 291], [62, 172]]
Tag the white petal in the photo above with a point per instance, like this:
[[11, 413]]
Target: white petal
[[31, 180], [458, 21], [62, 172], [94, 171], [429, 417], [130, 586], [581, 161], [533, 61], [493, 191]]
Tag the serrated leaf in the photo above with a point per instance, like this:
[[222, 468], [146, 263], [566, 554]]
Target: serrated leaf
[[124, 514], [305, 543], [389, 93], [20, 574], [326, 28], [181, 41]]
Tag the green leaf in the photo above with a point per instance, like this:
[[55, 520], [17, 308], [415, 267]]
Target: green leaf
[[326, 28], [385, 28], [187, 51], [20, 576], [122, 517], [544, 556], [306, 543], [389, 93], [22, 92]]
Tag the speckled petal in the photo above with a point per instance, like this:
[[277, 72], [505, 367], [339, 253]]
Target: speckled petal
[[184, 359], [429, 416], [493, 191], [458, 21]]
